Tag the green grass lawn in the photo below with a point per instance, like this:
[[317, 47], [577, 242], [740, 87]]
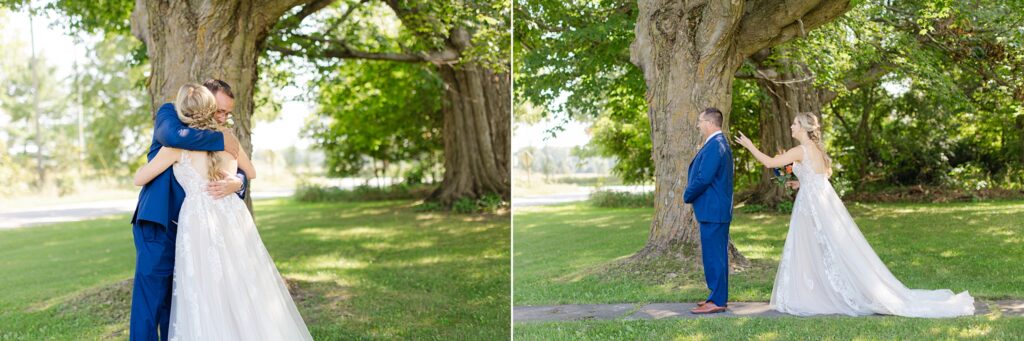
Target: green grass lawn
[[374, 270], [560, 251]]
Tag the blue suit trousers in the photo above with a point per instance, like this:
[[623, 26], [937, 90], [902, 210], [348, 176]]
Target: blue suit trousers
[[154, 278], [714, 240]]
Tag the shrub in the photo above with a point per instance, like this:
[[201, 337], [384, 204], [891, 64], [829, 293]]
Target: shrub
[[307, 192], [604, 198], [785, 207]]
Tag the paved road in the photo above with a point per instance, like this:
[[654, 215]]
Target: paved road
[[657, 311], [554, 199], [75, 212]]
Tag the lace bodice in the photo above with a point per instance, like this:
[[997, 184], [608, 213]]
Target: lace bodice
[[828, 267], [804, 170], [188, 177], [226, 286]]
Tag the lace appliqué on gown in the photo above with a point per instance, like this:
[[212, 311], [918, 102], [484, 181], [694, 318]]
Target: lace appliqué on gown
[[837, 270], [226, 287]]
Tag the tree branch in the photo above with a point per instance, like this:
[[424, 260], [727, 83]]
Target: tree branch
[[344, 16], [870, 76], [340, 50], [309, 9], [270, 11], [769, 23]]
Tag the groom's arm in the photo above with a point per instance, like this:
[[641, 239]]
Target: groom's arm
[[169, 131], [704, 175], [245, 184]]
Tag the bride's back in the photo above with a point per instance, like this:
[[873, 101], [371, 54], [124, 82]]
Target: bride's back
[[199, 161], [814, 160]]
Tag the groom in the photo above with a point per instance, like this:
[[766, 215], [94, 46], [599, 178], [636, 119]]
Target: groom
[[155, 224], [709, 190]]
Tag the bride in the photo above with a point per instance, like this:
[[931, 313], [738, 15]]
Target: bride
[[827, 266], [226, 287]]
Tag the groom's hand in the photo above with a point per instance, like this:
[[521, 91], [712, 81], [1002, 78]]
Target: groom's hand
[[228, 185]]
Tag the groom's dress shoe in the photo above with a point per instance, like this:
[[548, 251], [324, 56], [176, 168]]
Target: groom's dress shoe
[[708, 308]]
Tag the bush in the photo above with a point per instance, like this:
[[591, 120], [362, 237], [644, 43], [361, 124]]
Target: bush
[[589, 181], [488, 203], [785, 207], [307, 192], [603, 198], [464, 205]]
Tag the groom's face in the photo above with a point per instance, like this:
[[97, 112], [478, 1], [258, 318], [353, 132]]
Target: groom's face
[[225, 106], [703, 124]]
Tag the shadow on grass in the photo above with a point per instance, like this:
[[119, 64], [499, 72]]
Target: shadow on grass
[[782, 328], [962, 246], [356, 270]]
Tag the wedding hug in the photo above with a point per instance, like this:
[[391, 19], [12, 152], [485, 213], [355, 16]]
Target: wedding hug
[[255, 170], [549, 170], [202, 272]]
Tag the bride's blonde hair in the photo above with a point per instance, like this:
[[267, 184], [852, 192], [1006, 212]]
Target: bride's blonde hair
[[196, 107], [809, 122]]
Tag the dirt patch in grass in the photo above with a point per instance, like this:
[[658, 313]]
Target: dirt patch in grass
[[320, 302], [111, 304]]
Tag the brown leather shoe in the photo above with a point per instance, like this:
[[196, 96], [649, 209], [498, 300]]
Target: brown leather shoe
[[702, 303], [709, 308]]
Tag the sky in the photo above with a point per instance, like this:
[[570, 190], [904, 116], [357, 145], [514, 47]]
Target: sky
[[53, 42], [537, 135], [280, 133]]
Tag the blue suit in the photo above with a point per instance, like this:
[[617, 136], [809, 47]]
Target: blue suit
[[709, 188], [155, 226]]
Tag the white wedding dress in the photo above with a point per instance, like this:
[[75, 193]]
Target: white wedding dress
[[827, 266], [226, 287]]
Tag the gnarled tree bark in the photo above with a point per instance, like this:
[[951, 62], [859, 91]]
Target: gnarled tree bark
[[475, 107], [789, 86], [689, 52], [476, 129], [192, 41], [789, 89]]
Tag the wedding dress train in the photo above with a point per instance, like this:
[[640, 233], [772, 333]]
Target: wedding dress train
[[226, 287], [827, 266]]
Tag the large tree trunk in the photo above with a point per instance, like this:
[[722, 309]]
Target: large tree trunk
[[193, 41], [476, 133], [689, 52], [789, 89]]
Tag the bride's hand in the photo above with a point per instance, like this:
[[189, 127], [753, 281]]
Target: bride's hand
[[744, 141], [227, 185]]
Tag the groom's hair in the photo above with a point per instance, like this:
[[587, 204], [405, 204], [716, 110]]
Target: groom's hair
[[216, 85], [714, 115]]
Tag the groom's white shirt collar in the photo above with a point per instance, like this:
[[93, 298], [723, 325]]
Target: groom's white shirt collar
[[712, 135]]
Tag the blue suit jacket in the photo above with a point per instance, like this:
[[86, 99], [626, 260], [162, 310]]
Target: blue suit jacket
[[709, 182], [160, 199]]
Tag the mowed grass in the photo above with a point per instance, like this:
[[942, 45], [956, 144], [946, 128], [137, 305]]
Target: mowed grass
[[561, 251], [781, 328], [374, 270]]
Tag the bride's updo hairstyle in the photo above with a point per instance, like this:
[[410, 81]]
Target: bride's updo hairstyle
[[809, 122], [196, 107]]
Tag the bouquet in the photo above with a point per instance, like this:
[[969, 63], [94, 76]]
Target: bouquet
[[784, 174]]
